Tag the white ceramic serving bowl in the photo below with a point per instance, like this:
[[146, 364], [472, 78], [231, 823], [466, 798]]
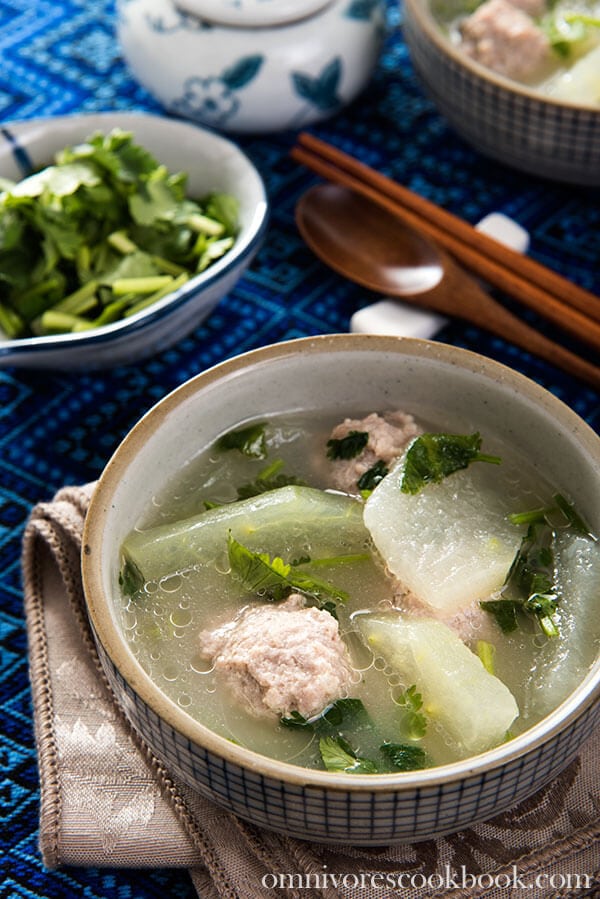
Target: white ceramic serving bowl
[[244, 66], [342, 373], [502, 119], [212, 163]]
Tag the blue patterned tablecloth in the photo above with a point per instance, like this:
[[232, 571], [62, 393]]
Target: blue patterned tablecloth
[[61, 56]]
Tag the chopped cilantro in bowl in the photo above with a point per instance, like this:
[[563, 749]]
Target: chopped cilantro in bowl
[[169, 303], [99, 235]]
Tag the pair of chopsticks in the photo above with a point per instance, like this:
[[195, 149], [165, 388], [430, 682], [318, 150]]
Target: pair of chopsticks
[[557, 299]]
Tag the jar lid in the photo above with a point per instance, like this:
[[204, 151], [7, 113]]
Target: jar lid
[[252, 13]]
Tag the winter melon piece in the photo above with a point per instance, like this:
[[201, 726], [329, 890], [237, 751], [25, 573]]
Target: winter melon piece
[[289, 521], [450, 544], [562, 663], [473, 708], [581, 83]]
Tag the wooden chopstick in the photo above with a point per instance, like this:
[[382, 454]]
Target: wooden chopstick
[[535, 286]]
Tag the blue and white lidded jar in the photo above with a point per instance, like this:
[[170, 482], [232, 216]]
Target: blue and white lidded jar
[[252, 66]]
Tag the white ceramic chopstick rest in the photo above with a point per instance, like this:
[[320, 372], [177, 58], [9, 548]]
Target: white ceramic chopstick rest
[[392, 317]]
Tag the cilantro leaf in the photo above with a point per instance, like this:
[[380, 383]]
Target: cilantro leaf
[[413, 721], [270, 478], [573, 518], [504, 611], [405, 757], [338, 755], [369, 480], [432, 457], [250, 441], [348, 720], [347, 447], [56, 227], [529, 585], [274, 578]]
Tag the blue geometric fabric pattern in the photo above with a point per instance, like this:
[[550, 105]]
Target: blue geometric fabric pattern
[[61, 56]]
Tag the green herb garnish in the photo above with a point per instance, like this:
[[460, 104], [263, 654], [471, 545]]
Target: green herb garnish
[[505, 611], [333, 716], [348, 718], [405, 757], [250, 441], [347, 447], [432, 457], [275, 579], [99, 235], [568, 31], [270, 478], [338, 755], [529, 586], [487, 653], [413, 722], [573, 518], [131, 580], [369, 480]]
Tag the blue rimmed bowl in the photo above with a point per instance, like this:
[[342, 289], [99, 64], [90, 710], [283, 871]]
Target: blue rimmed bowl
[[212, 163], [342, 372], [505, 120]]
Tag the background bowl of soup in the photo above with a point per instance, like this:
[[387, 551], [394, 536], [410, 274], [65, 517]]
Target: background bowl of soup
[[297, 389], [545, 121]]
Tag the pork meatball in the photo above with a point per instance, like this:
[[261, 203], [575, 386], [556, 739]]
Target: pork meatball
[[281, 658], [388, 436], [504, 38]]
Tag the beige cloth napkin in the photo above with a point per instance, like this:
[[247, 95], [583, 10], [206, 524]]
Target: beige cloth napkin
[[106, 801]]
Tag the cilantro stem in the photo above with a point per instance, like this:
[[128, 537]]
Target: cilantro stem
[[121, 242], [53, 322], [274, 468], [339, 560], [585, 19], [113, 311], [548, 626], [173, 285], [486, 457], [11, 322], [202, 224], [80, 301], [151, 284], [487, 652], [168, 267], [530, 517]]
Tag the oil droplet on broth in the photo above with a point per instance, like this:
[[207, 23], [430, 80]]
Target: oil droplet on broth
[[129, 620], [171, 584], [180, 618], [170, 671], [201, 664], [222, 564]]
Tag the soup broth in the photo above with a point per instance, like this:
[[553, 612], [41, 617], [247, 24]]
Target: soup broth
[[173, 596]]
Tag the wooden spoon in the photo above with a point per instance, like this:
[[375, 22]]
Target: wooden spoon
[[374, 247]]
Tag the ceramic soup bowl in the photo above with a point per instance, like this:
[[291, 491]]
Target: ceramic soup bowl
[[512, 123], [340, 373]]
